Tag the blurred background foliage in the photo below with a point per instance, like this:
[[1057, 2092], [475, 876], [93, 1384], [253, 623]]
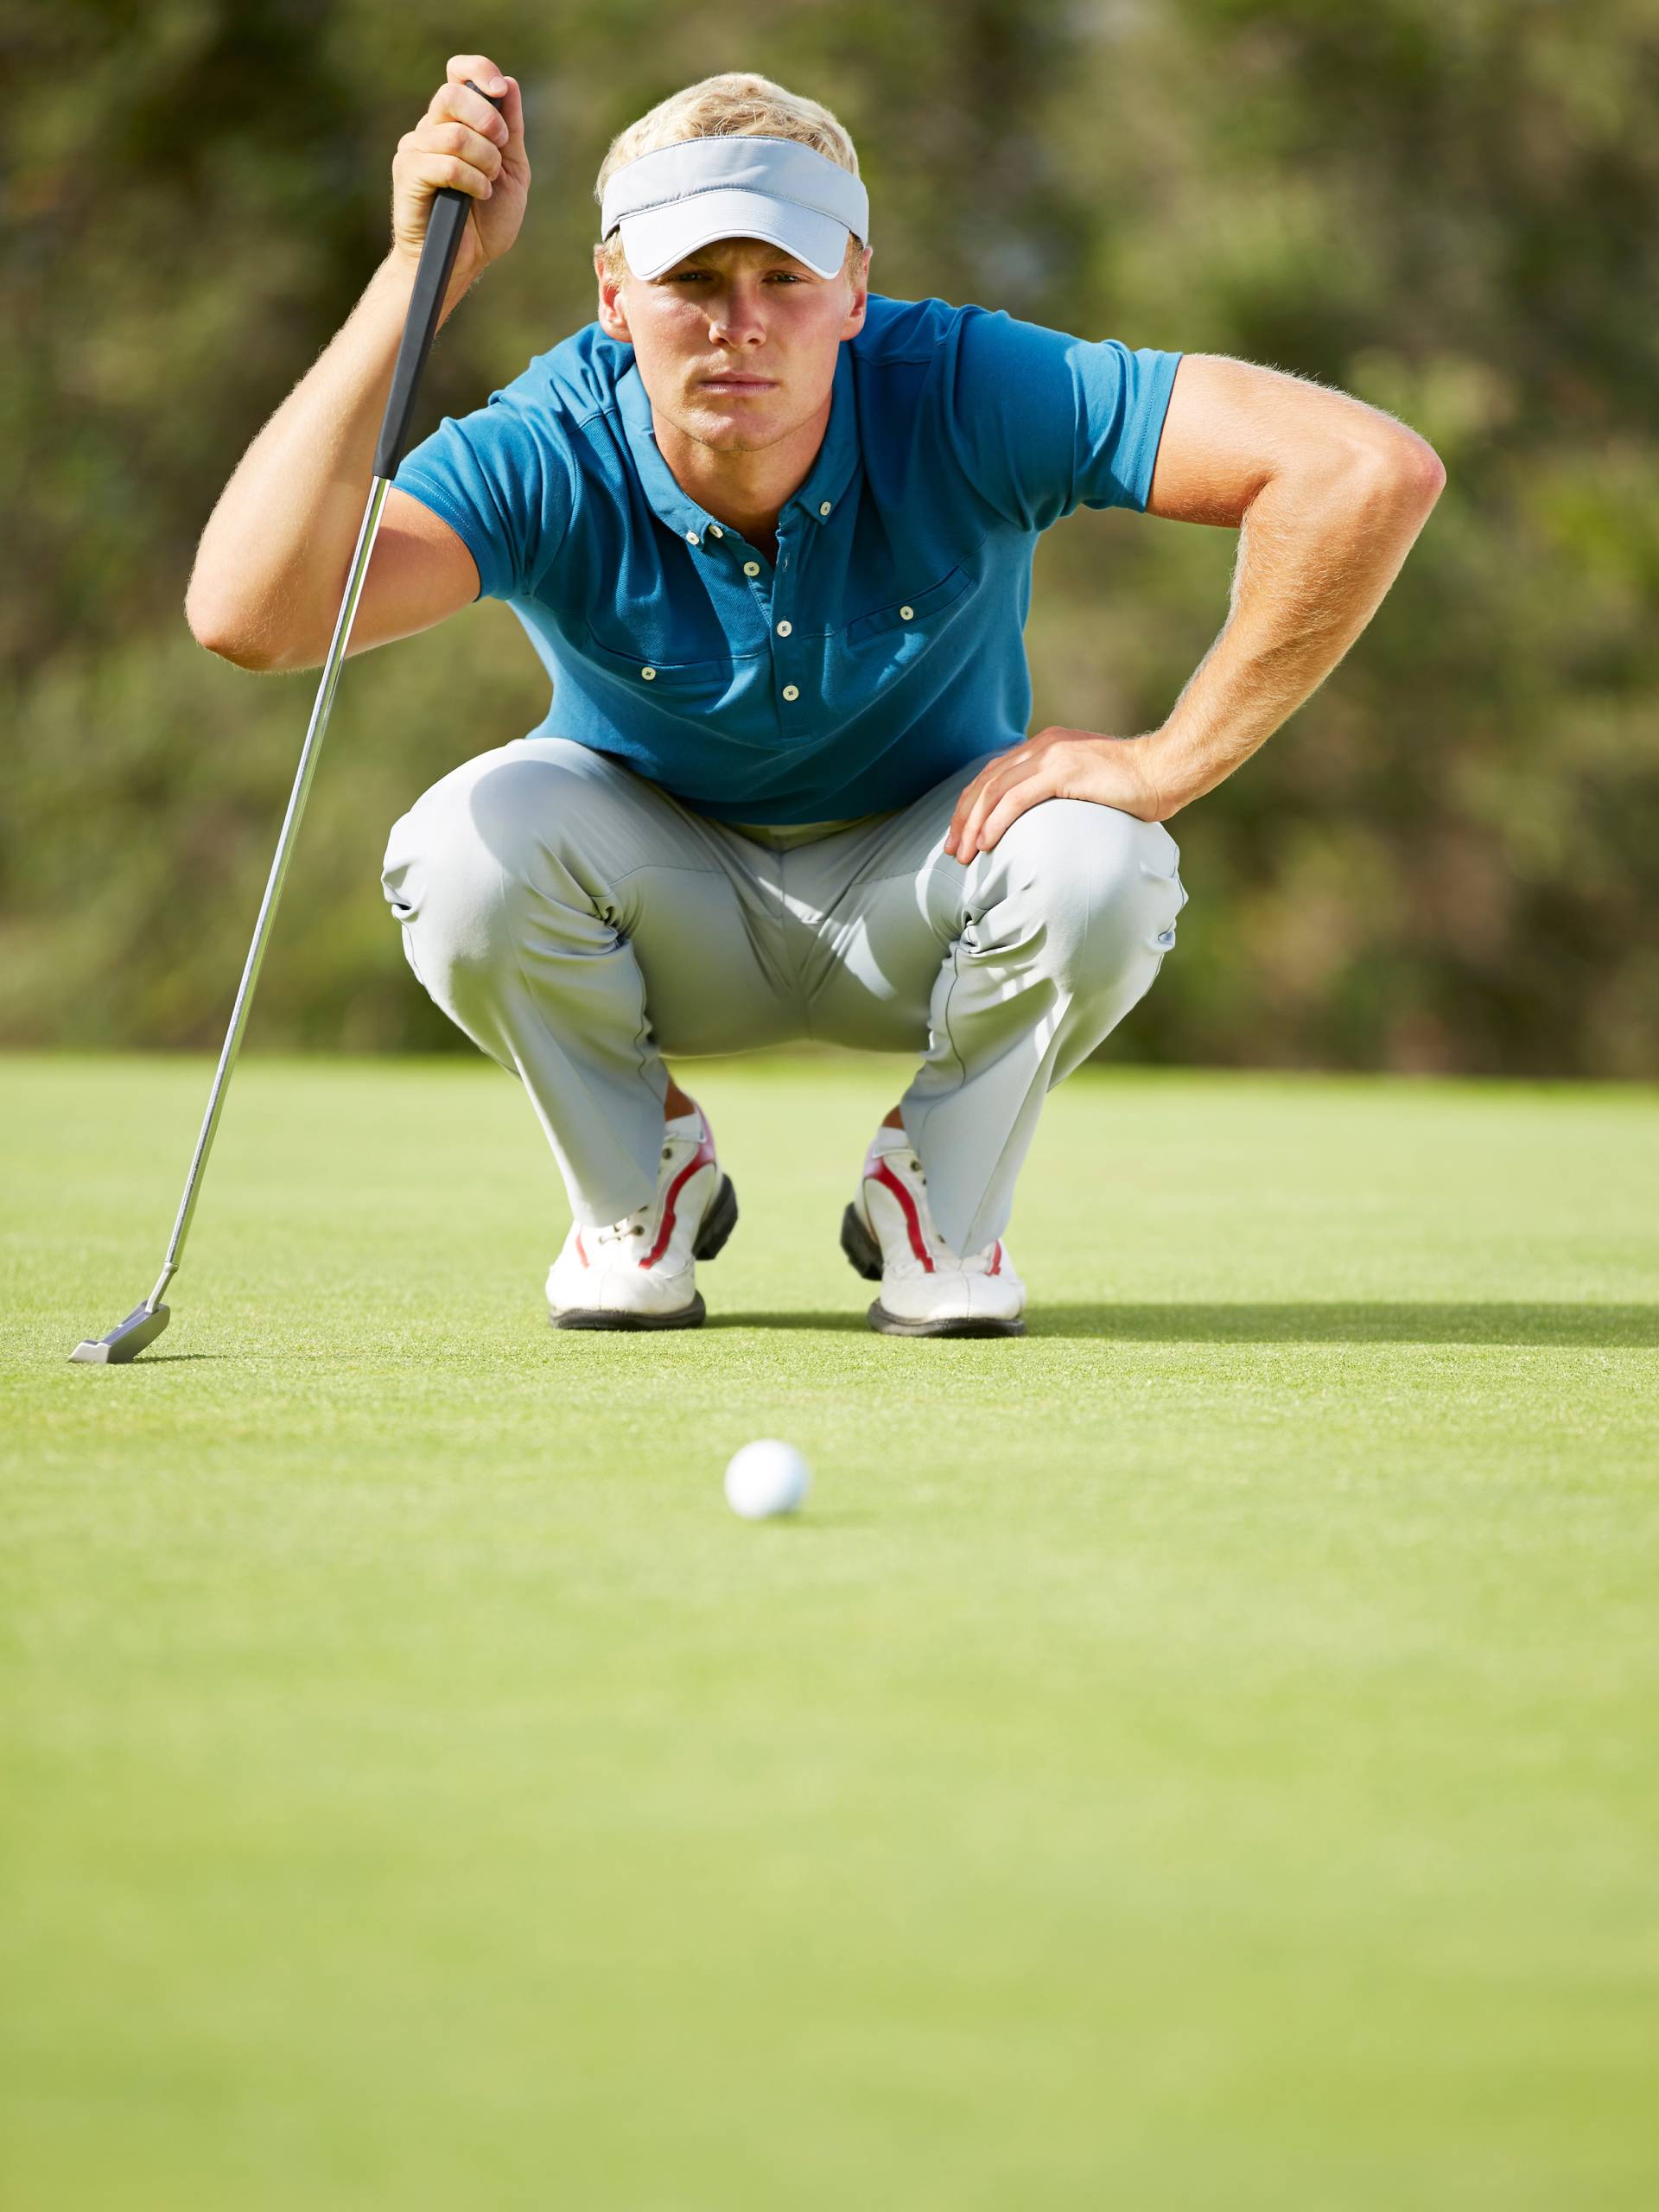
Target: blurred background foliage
[[1445, 860]]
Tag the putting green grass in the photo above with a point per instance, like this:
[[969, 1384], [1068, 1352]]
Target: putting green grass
[[1199, 1758]]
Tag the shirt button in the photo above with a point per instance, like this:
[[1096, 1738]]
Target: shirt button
[[825, 507], [715, 531], [783, 629], [690, 537], [791, 691], [905, 613], [649, 675], [751, 568]]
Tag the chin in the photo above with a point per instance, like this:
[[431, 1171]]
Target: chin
[[734, 429]]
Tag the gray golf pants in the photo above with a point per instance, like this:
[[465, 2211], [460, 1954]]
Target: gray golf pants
[[578, 924]]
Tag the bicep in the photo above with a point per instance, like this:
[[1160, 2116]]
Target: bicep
[[419, 572], [1231, 426]]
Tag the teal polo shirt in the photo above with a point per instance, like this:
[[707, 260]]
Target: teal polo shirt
[[885, 649]]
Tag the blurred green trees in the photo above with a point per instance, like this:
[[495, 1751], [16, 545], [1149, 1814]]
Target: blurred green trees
[[1445, 860]]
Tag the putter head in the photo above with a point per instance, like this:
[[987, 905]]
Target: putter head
[[126, 1340]]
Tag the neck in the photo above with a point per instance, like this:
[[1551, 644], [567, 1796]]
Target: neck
[[745, 491]]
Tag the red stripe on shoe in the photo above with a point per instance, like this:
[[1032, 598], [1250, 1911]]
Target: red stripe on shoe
[[889, 1181], [703, 1157], [995, 1267], [581, 1249]]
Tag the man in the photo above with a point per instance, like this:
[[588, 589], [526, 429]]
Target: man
[[771, 535]]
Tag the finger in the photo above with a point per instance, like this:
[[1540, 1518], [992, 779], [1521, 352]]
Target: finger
[[970, 798], [461, 104], [1009, 810], [512, 113], [971, 811], [1000, 779], [960, 812], [482, 71], [441, 172], [460, 142], [1041, 779]]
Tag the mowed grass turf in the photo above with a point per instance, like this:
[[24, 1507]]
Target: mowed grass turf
[[1201, 1756]]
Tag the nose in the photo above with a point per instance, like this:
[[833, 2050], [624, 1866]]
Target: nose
[[734, 313]]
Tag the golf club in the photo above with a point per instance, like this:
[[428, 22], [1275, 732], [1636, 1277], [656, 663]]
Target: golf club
[[445, 223]]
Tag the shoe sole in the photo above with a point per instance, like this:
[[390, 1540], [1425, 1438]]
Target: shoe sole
[[716, 1226], [864, 1255]]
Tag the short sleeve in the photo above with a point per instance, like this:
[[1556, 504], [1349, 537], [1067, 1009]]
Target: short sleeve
[[503, 480], [1043, 423]]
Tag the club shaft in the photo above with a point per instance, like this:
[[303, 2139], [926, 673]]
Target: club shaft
[[313, 736]]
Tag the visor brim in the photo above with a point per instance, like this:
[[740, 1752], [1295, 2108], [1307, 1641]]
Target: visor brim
[[658, 237]]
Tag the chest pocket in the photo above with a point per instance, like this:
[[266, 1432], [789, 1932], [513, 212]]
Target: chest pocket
[[918, 616], [683, 687]]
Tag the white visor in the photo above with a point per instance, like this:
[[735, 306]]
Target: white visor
[[669, 202]]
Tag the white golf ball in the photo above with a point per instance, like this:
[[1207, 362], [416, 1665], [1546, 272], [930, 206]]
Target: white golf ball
[[766, 1478]]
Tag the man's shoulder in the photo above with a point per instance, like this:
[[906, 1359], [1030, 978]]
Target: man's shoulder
[[897, 332], [922, 357], [576, 379]]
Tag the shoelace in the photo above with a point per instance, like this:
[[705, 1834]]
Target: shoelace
[[632, 1224], [944, 1250], [976, 1263]]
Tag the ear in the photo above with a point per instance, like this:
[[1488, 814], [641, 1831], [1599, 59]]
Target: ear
[[860, 300], [613, 316]]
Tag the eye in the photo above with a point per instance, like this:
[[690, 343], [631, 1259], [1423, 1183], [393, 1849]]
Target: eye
[[690, 276]]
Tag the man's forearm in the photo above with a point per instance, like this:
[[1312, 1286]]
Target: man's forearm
[[272, 561], [1317, 551]]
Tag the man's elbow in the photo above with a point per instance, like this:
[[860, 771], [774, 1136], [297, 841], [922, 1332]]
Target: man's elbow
[[1406, 469], [216, 633]]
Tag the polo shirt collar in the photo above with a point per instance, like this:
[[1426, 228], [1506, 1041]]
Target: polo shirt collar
[[827, 483], [830, 476], [683, 514]]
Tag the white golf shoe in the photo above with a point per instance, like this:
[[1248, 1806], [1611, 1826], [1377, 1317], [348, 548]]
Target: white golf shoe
[[639, 1273], [926, 1290]]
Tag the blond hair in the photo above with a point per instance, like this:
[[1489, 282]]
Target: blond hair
[[738, 105]]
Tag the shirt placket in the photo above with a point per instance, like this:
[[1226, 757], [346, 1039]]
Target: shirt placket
[[774, 589], [775, 592]]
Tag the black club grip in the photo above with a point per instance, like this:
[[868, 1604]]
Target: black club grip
[[444, 226]]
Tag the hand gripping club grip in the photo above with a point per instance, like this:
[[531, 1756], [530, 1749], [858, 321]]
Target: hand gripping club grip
[[444, 226]]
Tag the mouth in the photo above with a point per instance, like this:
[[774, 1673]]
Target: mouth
[[737, 384]]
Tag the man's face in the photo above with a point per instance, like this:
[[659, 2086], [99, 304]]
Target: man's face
[[736, 345]]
